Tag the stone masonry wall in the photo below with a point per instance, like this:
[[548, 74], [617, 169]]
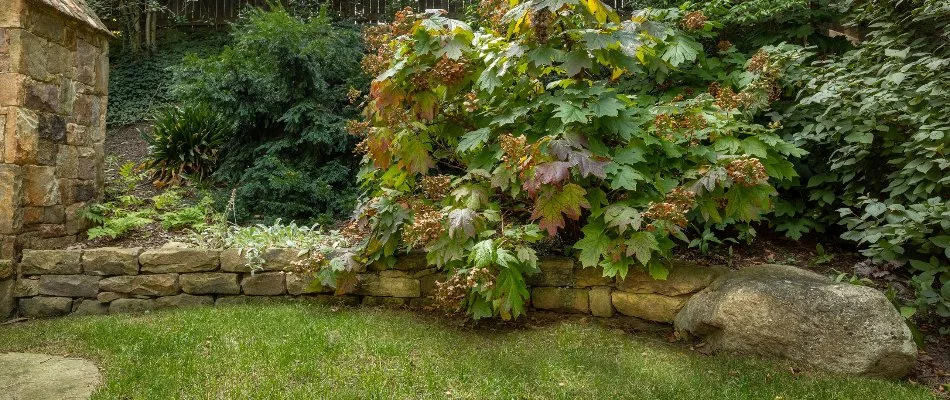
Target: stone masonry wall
[[53, 93], [114, 280]]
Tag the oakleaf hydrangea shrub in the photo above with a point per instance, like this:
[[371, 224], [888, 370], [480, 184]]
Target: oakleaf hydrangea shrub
[[557, 120], [286, 82]]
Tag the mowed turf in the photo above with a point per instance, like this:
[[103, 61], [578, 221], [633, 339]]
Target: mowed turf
[[301, 351]]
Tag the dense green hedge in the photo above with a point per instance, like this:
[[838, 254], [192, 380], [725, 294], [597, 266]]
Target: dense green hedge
[[284, 81]]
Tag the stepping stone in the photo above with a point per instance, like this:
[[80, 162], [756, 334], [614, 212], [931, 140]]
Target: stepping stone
[[41, 377]]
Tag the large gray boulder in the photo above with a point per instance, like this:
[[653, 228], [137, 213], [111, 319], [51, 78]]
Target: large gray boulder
[[793, 314]]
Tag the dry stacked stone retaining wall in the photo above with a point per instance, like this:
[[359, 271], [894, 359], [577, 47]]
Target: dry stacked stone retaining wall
[[53, 92], [110, 280]]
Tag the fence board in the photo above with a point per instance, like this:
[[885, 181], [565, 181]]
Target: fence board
[[219, 12]]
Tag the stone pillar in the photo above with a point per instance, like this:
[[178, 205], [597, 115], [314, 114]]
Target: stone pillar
[[53, 94]]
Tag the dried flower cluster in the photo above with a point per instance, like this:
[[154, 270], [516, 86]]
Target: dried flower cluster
[[541, 23], [758, 62], [309, 264], [426, 226], [358, 128], [471, 102], [694, 20], [674, 126], [492, 12], [380, 41], [449, 71], [747, 172], [436, 187], [450, 294], [673, 209], [514, 148], [728, 99], [353, 95], [724, 45]]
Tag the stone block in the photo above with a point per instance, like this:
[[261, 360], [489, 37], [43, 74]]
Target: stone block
[[51, 215], [21, 137], [51, 128], [75, 223], [111, 261], [50, 262], [40, 185], [178, 260], [6, 269], [210, 283], [392, 273], [105, 297], [11, 13], [146, 285], [47, 237], [41, 96], [3, 128], [264, 284], [77, 135], [183, 301], [46, 25], [11, 88], [11, 199], [31, 59], [301, 283], [683, 279], [375, 285], [69, 285], [67, 160], [89, 307], [404, 262], [600, 303], [45, 307], [87, 56], [131, 306], [26, 287], [555, 271], [587, 277], [560, 299], [8, 247], [102, 70], [233, 260], [649, 306], [427, 283], [77, 191], [7, 301], [391, 302], [87, 109], [89, 164]]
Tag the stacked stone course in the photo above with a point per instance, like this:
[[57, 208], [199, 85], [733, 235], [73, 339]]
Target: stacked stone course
[[118, 280], [53, 93]]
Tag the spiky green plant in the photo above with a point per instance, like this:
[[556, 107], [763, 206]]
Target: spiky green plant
[[185, 143]]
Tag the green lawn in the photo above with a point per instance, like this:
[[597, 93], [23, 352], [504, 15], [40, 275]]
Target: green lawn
[[298, 351]]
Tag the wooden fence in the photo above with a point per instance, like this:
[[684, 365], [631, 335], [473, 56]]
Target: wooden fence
[[219, 12]]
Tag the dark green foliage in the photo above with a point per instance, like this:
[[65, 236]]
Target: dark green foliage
[[185, 142], [138, 84], [874, 119], [750, 24], [284, 83]]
